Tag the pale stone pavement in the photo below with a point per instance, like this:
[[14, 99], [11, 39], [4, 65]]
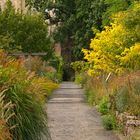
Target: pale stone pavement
[[70, 118]]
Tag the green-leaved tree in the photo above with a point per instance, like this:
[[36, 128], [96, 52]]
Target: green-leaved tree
[[23, 32]]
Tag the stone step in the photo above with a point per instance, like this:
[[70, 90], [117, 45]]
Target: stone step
[[66, 100], [69, 85], [67, 96], [69, 91]]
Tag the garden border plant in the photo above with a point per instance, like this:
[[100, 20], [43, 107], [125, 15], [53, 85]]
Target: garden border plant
[[21, 89]]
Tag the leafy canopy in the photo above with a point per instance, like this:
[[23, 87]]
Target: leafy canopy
[[39, 5], [23, 32], [77, 18], [113, 7], [117, 47]]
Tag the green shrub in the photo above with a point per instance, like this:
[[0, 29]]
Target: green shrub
[[91, 97], [109, 122], [79, 66], [79, 78], [57, 63], [104, 105], [53, 76], [122, 98], [7, 43], [24, 32]]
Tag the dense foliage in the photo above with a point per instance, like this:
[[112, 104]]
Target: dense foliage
[[39, 5], [110, 72], [77, 18], [113, 7], [22, 98], [23, 32], [117, 47]]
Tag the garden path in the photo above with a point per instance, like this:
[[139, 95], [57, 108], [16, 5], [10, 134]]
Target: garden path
[[70, 118]]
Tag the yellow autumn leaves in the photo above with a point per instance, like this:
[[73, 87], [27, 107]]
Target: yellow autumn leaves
[[117, 48]]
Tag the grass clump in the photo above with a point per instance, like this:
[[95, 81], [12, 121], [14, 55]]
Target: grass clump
[[5, 115], [90, 97], [109, 122], [104, 105], [27, 93]]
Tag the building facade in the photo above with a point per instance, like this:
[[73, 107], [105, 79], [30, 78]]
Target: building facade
[[18, 4]]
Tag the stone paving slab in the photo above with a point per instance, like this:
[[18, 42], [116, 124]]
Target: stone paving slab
[[69, 85], [72, 119]]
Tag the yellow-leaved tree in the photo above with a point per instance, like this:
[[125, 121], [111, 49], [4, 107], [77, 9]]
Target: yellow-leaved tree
[[117, 47]]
